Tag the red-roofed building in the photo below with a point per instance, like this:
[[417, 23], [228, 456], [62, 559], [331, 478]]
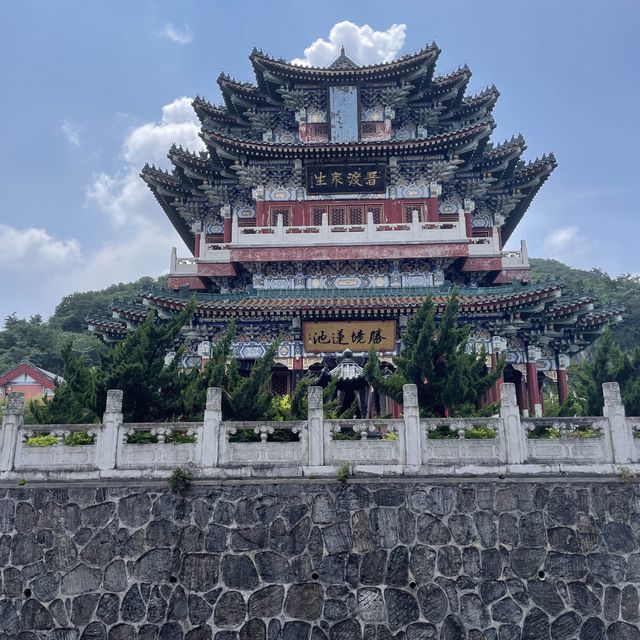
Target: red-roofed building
[[29, 379]]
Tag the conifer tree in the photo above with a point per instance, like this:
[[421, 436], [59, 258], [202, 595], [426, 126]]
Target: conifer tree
[[136, 365], [74, 399], [214, 374], [610, 364], [249, 397], [434, 357]]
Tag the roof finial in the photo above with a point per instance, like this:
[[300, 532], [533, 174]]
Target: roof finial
[[343, 61]]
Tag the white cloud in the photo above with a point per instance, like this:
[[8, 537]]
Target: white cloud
[[26, 249], [71, 132], [124, 197], [179, 36], [561, 241], [150, 142], [142, 237], [146, 236], [363, 45]]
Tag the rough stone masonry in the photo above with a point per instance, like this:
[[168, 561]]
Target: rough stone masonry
[[366, 560]]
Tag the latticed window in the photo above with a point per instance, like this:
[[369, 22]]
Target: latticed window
[[280, 212], [337, 215], [408, 213], [377, 214], [279, 383], [316, 216], [355, 215]]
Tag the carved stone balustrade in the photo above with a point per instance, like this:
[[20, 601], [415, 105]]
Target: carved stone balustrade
[[502, 445]]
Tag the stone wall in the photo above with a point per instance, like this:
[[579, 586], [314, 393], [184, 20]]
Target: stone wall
[[322, 560]]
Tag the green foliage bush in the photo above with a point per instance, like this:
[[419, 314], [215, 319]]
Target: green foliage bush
[[181, 437], [343, 472], [180, 480], [142, 437], [42, 441], [479, 432], [78, 438], [442, 432], [347, 434]]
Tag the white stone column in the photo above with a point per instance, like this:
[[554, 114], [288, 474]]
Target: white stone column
[[173, 262], [315, 422], [208, 437], [620, 433], [11, 422], [109, 434], [511, 429], [412, 439]]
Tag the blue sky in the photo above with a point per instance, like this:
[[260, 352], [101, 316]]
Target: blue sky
[[93, 89]]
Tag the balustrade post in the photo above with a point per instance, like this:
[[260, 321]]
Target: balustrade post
[[11, 422], [235, 229], [621, 436], [324, 227], [370, 227], [208, 443], [279, 227], [109, 432], [415, 223], [315, 423], [511, 430], [412, 437]]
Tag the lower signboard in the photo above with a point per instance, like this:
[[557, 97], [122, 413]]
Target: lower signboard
[[336, 336]]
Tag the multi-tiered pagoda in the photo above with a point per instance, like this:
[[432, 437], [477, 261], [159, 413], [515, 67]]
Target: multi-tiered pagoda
[[331, 201]]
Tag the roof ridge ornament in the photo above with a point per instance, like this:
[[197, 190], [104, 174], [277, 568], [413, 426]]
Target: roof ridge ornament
[[343, 61]]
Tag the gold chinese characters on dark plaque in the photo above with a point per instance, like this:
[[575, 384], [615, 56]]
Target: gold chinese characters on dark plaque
[[333, 178], [325, 337]]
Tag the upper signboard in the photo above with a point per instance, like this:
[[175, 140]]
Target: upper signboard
[[331, 178]]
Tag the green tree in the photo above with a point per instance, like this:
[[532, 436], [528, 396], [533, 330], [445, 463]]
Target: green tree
[[31, 340], [249, 397], [449, 378], [214, 374], [610, 364], [136, 365], [74, 399]]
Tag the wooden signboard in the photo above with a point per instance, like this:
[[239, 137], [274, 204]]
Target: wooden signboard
[[336, 336], [331, 178]]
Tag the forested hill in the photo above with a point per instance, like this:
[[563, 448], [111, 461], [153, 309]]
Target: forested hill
[[624, 290], [41, 341]]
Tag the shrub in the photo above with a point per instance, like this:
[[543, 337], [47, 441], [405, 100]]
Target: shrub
[[479, 432], [443, 432], [349, 434], [42, 441], [180, 479], [343, 473], [142, 437], [78, 438], [181, 437]]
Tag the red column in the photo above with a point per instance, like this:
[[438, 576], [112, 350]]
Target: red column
[[563, 386], [521, 395], [261, 214], [196, 249], [532, 385], [227, 230], [469, 225]]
